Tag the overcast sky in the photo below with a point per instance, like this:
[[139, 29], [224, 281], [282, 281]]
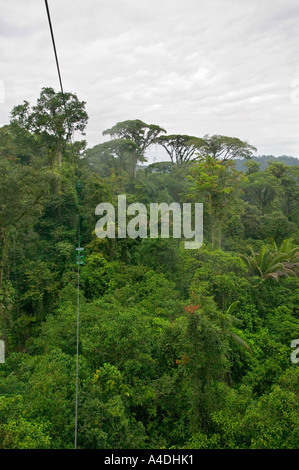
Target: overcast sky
[[195, 67]]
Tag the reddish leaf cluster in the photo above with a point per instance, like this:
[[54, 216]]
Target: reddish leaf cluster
[[185, 360], [191, 308]]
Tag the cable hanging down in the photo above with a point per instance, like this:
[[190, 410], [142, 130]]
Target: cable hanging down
[[79, 251], [57, 66]]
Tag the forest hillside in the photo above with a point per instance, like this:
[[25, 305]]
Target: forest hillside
[[179, 348]]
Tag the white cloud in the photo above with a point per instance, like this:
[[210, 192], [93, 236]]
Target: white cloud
[[194, 67]]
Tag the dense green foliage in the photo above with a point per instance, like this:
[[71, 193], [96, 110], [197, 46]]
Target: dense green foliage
[[178, 348]]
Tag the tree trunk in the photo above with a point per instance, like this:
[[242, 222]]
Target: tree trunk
[[59, 153], [220, 234], [212, 235]]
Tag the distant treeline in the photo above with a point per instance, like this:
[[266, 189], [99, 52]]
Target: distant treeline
[[264, 159], [240, 164]]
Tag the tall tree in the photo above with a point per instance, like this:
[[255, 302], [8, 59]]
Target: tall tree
[[138, 131], [220, 186], [55, 117], [180, 148], [221, 147]]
